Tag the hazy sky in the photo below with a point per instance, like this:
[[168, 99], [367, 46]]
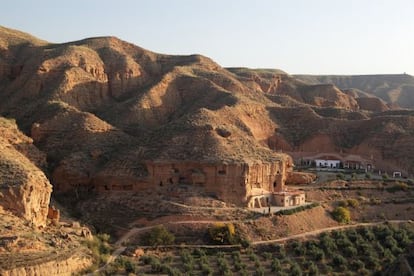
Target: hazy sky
[[298, 36]]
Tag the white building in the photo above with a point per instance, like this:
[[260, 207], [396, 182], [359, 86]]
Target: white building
[[327, 163]]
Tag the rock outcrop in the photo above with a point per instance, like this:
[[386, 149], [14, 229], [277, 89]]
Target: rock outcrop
[[24, 188], [300, 178]]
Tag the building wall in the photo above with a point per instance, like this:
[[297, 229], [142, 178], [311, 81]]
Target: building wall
[[287, 199], [232, 183], [327, 163]]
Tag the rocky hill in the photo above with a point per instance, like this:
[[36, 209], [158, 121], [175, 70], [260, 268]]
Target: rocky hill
[[102, 106], [100, 110], [395, 90]]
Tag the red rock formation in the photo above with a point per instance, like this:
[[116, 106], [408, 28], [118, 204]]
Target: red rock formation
[[24, 188], [300, 178]]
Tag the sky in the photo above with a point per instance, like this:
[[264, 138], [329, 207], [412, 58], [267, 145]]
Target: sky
[[298, 36]]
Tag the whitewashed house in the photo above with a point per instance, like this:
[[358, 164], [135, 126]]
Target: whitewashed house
[[327, 163]]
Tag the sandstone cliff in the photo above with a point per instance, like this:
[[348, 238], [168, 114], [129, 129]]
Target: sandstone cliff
[[24, 188]]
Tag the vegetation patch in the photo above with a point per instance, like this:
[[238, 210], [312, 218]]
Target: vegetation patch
[[158, 235], [341, 214], [359, 251], [100, 248], [297, 209]]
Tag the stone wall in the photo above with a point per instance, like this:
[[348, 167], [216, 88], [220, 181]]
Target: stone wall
[[289, 198]]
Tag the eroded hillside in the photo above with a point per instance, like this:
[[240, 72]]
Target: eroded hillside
[[90, 102], [101, 114]]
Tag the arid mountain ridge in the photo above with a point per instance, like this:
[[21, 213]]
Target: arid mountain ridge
[[101, 107]]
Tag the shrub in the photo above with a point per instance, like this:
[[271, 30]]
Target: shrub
[[352, 202], [203, 260], [206, 269], [342, 215], [222, 233], [373, 262], [378, 248], [253, 257], [275, 266], [129, 267], [317, 254], [366, 249], [148, 259], [188, 268], [267, 255], [223, 266], [171, 271], [99, 247], [343, 242], [282, 252], [236, 255], [357, 264], [363, 272], [237, 265], [338, 260], [350, 251], [158, 235], [402, 237], [297, 209], [367, 233], [122, 264], [156, 266], [199, 252], [353, 176], [259, 271], [340, 176], [390, 242], [186, 257], [313, 269], [388, 255], [399, 186], [382, 231], [295, 270], [298, 248], [327, 243]]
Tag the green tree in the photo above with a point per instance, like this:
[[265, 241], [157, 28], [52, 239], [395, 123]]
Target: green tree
[[295, 270], [342, 215], [357, 265], [259, 271], [313, 269], [222, 233], [338, 260], [275, 266], [158, 235]]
